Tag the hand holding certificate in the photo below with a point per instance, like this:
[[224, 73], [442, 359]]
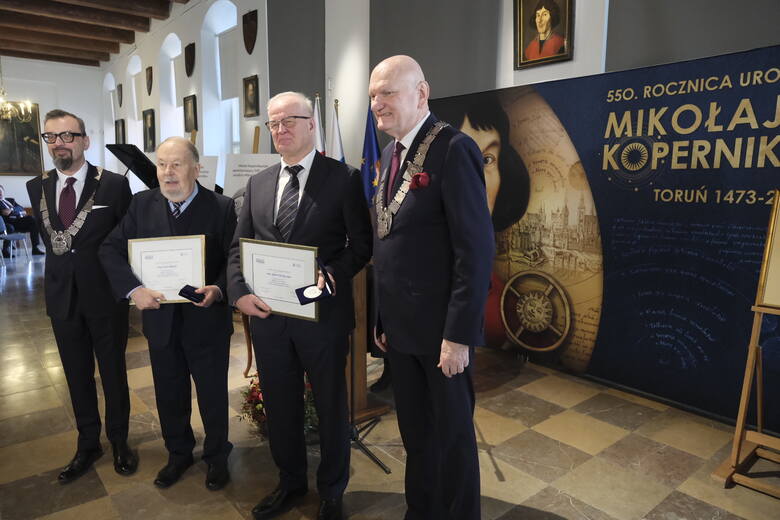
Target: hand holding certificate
[[273, 271], [165, 265]]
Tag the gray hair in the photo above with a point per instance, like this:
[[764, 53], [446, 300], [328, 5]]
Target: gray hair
[[302, 99], [186, 142]]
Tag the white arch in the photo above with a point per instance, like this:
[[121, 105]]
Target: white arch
[[216, 128], [170, 116]]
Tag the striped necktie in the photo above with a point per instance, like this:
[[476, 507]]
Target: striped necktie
[[288, 207], [177, 208]]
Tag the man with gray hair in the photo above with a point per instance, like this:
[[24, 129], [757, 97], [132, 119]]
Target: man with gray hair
[[311, 200], [185, 339]]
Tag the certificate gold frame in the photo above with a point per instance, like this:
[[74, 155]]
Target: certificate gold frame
[[138, 246], [557, 25], [288, 307], [768, 294]]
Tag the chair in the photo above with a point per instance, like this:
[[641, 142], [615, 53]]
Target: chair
[[14, 239]]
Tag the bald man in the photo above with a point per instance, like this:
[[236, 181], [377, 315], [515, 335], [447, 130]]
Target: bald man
[[185, 339], [433, 250]]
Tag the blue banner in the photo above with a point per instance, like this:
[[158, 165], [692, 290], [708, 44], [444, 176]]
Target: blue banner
[[638, 256]]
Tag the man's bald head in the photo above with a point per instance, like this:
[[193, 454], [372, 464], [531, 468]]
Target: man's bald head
[[399, 95]]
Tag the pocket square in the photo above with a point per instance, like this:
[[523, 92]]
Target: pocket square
[[96, 206]]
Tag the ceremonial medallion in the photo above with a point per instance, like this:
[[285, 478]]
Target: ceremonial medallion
[[60, 242]]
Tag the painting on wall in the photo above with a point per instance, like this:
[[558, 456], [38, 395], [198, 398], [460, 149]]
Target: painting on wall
[[251, 96], [149, 140], [190, 113], [544, 31], [20, 145], [119, 131]]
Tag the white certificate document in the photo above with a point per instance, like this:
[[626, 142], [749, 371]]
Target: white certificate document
[[274, 270], [167, 264]]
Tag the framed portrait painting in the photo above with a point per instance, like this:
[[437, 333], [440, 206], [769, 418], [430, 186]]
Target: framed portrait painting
[[149, 138], [190, 113], [251, 96], [544, 32], [20, 144], [119, 131]]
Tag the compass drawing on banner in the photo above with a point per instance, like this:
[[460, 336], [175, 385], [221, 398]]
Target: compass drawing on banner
[[536, 311]]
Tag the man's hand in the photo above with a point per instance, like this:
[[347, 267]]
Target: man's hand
[[212, 293], [251, 305], [146, 299], [380, 341], [454, 358], [321, 283]]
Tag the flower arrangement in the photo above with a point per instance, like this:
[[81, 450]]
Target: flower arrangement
[[253, 408]]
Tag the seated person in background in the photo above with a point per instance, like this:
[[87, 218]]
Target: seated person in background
[[17, 220]]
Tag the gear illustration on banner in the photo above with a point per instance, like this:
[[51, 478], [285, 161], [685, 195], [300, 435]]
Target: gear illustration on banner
[[536, 311]]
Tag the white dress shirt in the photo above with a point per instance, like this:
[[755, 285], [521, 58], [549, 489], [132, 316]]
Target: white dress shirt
[[78, 186], [408, 139], [284, 178]]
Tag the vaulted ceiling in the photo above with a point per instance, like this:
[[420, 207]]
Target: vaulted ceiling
[[84, 32]]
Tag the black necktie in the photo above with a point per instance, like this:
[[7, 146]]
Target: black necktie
[[288, 206], [177, 208]]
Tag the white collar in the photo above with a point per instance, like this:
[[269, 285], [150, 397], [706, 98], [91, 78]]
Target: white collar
[[80, 175], [409, 138], [305, 162]]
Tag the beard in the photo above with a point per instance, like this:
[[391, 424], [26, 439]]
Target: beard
[[63, 162]]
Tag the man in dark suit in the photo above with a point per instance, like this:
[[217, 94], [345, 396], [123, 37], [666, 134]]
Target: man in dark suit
[[185, 339], [433, 251], [76, 205], [17, 220], [316, 201]]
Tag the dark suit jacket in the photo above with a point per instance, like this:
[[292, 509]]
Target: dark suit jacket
[[212, 215], [16, 211], [76, 279], [432, 273], [332, 216]]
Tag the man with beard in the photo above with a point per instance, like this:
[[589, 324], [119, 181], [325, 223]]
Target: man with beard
[[76, 205]]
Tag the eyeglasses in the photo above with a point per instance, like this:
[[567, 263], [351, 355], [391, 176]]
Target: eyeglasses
[[66, 137], [288, 122]]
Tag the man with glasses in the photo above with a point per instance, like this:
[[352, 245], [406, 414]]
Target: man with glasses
[[76, 206], [311, 200]]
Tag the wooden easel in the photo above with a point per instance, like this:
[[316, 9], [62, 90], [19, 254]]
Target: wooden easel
[[750, 445]]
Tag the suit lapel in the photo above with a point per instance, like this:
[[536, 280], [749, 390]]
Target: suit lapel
[[159, 214], [49, 184], [90, 185], [314, 182], [266, 200], [200, 216], [412, 150]]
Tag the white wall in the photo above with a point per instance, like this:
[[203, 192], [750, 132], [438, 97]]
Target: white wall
[[186, 22], [590, 37], [346, 70], [74, 88]]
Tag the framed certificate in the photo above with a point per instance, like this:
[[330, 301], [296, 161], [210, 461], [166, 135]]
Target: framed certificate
[[274, 270], [167, 264]]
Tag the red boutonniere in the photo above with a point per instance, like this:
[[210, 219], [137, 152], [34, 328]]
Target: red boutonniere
[[419, 180]]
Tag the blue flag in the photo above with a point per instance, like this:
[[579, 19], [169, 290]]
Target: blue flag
[[369, 165]]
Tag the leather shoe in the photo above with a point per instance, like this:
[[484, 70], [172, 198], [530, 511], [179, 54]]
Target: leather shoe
[[279, 501], [217, 476], [125, 461], [172, 472], [330, 509], [80, 464]]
